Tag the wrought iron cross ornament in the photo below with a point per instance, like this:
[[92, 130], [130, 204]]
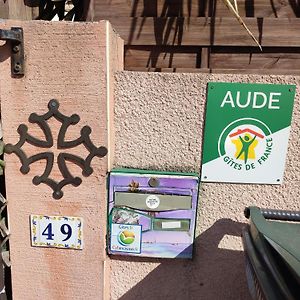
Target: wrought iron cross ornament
[[63, 157]]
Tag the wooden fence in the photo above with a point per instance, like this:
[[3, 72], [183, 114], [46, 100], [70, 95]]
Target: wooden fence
[[203, 36]]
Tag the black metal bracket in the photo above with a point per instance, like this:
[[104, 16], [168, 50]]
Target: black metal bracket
[[15, 36]]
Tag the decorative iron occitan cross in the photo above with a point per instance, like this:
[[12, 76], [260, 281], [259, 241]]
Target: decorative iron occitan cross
[[68, 178]]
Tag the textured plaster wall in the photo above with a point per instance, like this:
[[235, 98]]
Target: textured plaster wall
[[68, 62], [159, 125]]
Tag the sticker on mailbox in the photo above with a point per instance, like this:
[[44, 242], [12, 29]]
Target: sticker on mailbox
[[126, 238], [152, 201]]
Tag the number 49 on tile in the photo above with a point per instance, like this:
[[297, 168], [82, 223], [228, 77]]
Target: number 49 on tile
[[56, 231]]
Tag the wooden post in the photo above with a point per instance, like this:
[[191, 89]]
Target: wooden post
[[73, 63], [18, 10], [3, 10], [205, 56]]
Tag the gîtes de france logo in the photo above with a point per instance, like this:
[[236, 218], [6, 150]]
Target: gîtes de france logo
[[126, 237], [245, 144]]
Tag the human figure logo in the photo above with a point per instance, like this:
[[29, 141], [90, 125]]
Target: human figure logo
[[245, 144]]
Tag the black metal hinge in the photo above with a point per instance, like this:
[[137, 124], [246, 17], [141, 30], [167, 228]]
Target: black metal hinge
[[15, 36]]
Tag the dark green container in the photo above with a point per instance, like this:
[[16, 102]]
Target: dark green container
[[272, 250]]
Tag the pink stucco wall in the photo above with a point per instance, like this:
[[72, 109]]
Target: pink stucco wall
[[68, 62], [159, 125]]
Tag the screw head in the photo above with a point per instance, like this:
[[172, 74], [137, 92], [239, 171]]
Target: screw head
[[153, 182], [17, 68], [57, 194], [16, 49], [53, 104]]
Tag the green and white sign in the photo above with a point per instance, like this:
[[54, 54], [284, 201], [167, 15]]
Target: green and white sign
[[246, 132]]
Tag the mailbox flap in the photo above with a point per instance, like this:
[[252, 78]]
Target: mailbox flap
[[153, 202]]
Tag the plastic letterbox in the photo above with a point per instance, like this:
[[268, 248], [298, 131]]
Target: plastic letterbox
[[152, 214]]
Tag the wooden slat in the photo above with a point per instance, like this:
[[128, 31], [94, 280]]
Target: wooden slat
[[167, 70], [212, 57], [163, 57], [3, 10], [104, 9], [218, 71], [280, 61], [207, 32], [205, 57], [256, 71], [19, 10]]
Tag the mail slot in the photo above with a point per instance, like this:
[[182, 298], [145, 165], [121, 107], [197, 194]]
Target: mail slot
[[143, 201], [152, 214]]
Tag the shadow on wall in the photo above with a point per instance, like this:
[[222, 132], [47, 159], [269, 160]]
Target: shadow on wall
[[213, 274]]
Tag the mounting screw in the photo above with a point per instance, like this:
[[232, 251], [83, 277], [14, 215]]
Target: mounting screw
[[17, 67], [16, 49], [153, 182], [53, 104], [57, 194]]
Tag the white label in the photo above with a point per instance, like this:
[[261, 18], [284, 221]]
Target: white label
[[170, 225], [56, 231], [152, 201], [126, 238]]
